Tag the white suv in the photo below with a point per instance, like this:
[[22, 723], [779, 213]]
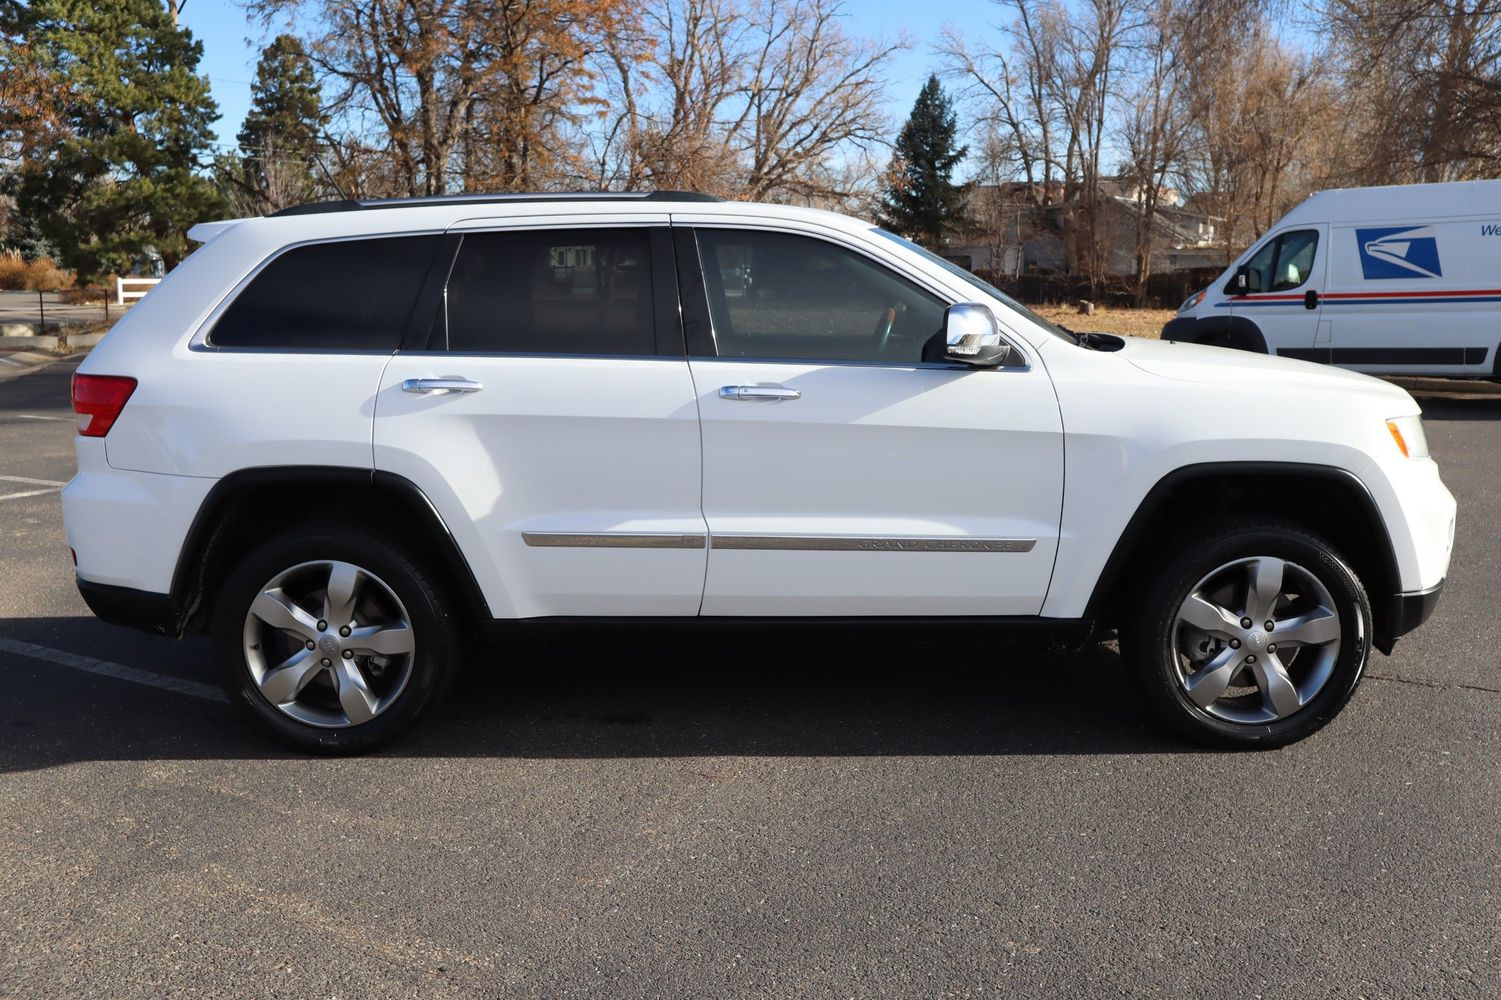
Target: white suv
[[340, 438]]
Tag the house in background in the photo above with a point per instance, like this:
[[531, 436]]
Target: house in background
[[1013, 236]]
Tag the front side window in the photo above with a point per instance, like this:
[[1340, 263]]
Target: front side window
[[344, 295], [779, 295], [1282, 263], [1294, 259], [552, 291]]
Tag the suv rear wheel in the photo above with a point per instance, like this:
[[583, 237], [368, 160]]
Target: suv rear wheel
[[1254, 638], [335, 640]]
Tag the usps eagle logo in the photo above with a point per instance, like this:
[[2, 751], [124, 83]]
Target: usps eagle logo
[[1402, 252]]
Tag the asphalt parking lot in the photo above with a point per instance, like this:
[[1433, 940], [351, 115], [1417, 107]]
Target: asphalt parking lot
[[660, 819]]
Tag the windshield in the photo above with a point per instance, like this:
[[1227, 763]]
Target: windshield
[[984, 286]]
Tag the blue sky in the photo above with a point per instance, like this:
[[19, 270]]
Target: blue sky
[[231, 44]]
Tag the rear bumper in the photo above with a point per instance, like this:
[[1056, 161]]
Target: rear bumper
[[137, 609], [1408, 611]]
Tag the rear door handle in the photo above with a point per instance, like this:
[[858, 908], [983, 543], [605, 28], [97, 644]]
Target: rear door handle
[[758, 392], [435, 385]]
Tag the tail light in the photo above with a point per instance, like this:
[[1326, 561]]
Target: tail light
[[98, 400]]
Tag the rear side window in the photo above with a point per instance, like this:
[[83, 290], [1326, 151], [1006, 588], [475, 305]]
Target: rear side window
[[346, 295], [552, 291]]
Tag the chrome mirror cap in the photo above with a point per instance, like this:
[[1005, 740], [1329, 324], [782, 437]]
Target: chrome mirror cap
[[973, 337]]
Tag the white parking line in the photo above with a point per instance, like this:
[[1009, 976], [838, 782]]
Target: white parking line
[[52, 487], [38, 416], [118, 671], [31, 482], [27, 493]]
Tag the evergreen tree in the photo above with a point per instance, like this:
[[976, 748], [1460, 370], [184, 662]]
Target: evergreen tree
[[281, 134], [123, 175], [922, 201]]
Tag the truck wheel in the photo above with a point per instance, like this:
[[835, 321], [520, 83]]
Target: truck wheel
[[1249, 639], [334, 639]]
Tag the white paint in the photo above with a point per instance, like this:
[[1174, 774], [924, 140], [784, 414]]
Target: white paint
[[30, 482], [117, 671]]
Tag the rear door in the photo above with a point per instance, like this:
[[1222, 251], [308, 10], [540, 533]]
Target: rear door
[[843, 474], [552, 421], [1284, 298]]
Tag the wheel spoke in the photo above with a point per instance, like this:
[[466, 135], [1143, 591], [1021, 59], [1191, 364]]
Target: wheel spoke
[[1264, 588], [285, 682], [1204, 614], [1312, 629], [276, 609], [355, 696], [343, 590], [387, 640], [1210, 681], [1278, 692]]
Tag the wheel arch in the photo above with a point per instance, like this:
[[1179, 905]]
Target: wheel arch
[[242, 505], [1329, 501], [1231, 331]]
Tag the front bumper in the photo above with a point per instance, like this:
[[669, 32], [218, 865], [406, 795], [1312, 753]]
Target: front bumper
[[1407, 612]]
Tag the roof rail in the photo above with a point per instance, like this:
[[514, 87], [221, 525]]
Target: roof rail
[[363, 204]]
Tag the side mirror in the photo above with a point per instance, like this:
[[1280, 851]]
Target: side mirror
[[973, 337], [1246, 280]]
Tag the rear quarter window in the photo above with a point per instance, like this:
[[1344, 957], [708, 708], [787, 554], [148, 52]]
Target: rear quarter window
[[348, 295]]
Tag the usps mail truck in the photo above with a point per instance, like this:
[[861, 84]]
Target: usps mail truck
[[1390, 280]]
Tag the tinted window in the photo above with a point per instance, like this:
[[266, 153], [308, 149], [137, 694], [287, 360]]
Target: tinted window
[[775, 295], [347, 295], [553, 291]]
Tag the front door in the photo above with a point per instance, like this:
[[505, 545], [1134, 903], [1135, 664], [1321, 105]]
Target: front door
[[1285, 278], [842, 474], [552, 422]]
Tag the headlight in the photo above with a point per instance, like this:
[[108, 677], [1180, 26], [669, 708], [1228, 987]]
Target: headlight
[[1408, 433], [1192, 300]]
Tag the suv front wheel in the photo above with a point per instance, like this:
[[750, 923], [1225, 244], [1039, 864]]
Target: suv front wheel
[[1254, 638], [334, 639]]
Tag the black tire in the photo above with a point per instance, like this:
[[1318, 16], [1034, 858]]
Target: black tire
[[426, 603], [1148, 633]]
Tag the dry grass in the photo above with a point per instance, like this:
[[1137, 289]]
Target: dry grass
[[1131, 322]]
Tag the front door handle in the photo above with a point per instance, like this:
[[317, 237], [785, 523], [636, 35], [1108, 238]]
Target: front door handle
[[758, 392], [1310, 299], [434, 385]]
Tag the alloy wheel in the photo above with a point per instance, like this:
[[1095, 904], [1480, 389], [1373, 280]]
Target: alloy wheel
[[329, 644], [1256, 640]]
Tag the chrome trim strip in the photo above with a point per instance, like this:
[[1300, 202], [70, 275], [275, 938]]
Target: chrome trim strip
[[838, 543], [611, 540]]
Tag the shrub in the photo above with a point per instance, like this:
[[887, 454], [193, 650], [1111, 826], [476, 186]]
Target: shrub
[[43, 275], [12, 271]]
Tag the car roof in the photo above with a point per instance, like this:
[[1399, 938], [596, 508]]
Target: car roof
[[348, 218]]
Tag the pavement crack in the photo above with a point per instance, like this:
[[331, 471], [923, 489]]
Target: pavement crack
[[1434, 684]]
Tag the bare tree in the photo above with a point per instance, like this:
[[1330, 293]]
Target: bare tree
[[1421, 75], [1051, 87], [473, 91], [767, 99], [1154, 127]]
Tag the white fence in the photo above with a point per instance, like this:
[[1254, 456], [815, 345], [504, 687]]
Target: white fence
[[121, 295]]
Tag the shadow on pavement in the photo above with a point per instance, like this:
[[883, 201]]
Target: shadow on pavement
[[674, 698], [1457, 406]]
